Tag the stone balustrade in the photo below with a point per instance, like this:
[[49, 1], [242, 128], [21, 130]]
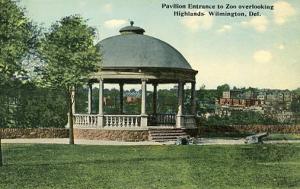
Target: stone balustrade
[[162, 119], [85, 120], [122, 120], [189, 121], [130, 121]]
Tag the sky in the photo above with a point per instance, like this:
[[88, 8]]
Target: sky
[[261, 51]]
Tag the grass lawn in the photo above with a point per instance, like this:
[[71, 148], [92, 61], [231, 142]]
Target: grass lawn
[[271, 136], [225, 135], [80, 166], [283, 137]]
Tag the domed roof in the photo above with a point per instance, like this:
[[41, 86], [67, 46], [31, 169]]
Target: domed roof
[[132, 49]]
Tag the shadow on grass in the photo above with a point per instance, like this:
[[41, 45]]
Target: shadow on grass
[[107, 161], [270, 153]]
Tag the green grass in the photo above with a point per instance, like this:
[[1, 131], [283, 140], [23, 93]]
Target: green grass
[[79, 166], [283, 137], [225, 135], [272, 136]]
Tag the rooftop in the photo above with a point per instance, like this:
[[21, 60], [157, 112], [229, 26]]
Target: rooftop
[[133, 49]]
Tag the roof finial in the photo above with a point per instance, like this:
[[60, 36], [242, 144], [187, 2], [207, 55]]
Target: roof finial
[[131, 29]]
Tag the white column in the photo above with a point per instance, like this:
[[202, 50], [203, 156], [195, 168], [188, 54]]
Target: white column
[[179, 117], [193, 98], [90, 97], [143, 104], [144, 91], [180, 98], [100, 114], [121, 97], [154, 98]]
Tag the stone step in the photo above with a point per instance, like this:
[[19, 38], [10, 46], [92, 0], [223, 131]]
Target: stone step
[[161, 136], [162, 141], [167, 134], [165, 140], [154, 134], [166, 131], [167, 137]]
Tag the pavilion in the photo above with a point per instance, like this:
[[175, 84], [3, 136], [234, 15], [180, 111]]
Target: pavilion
[[135, 58]]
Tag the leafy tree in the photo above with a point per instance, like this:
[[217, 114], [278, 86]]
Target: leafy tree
[[295, 105], [222, 88], [17, 39], [167, 101], [70, 56], [297, 91], [28, 106]]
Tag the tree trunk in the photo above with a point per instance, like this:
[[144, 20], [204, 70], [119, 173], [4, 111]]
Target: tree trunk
[[71, 101], [1, 162]]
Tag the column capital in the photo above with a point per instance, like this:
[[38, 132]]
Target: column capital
[[182, 82], [155, 84], [144, 79]]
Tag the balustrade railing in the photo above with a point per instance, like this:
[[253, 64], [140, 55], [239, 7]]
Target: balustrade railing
[[127, 121], [162, 119], [189, 121], [122, 120], [85, 120]]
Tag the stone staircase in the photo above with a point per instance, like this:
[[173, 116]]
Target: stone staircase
[[165, 135]]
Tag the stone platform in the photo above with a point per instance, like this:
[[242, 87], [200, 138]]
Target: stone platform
[[128, 135]]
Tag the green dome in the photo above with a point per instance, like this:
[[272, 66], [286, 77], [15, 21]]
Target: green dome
[[132, 49]]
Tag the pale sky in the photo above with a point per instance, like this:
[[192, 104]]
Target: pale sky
[[261, 52]]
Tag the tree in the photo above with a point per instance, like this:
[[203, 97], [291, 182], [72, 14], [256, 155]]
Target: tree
[[70, 55], [297, 91], [17, 40], [221, 89], [295, 105]]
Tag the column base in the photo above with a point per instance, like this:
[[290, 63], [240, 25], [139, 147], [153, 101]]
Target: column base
[[179, 121], [100, 121], [144, 120]]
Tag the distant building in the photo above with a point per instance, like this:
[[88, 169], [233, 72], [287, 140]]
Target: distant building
[[132, 96], [226, 94], [275, 103], [236, 98]]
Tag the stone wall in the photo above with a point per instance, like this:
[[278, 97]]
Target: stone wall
[[8, 133], [121, 135], [251, 129]]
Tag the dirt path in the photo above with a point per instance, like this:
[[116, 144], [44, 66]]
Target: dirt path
[[203, 141]]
